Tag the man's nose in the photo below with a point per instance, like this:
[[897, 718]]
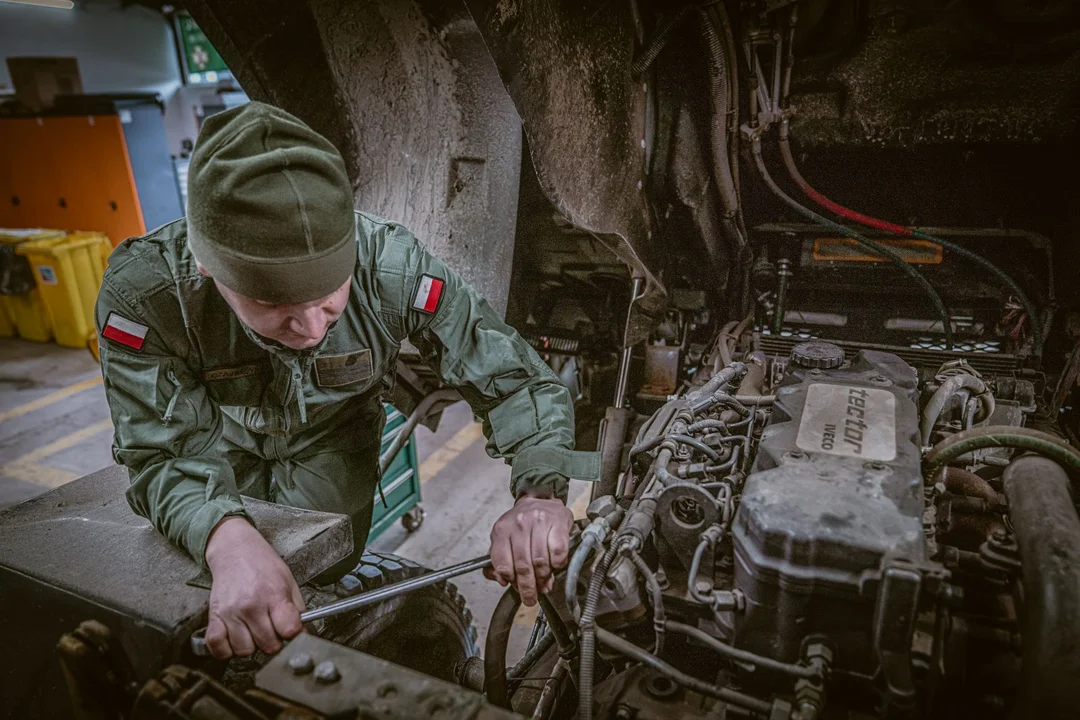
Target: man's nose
[[311, 322]]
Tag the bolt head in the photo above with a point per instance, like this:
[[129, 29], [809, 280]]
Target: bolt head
[[601, 507], [326, 673], [301, 664]]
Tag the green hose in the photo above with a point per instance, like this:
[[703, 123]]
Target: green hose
[[992, 436], [1029, 307]]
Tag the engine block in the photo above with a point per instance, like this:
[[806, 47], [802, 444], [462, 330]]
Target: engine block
[[828, 539]]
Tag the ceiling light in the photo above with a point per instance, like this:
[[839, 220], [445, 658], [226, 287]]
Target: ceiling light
[[58, 4]]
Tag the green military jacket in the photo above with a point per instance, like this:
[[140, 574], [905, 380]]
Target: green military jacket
[[175, 358]]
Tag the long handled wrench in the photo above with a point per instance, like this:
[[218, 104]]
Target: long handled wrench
[[371, 597]]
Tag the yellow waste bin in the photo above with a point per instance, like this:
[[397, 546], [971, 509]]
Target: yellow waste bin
[[24, 314], [68, 272]]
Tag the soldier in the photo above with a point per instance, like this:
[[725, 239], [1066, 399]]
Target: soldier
[[245, 350]]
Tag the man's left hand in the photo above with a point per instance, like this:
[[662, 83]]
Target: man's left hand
[[528, 543]]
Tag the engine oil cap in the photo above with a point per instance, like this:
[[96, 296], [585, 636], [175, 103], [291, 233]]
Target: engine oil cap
[[817, 354]]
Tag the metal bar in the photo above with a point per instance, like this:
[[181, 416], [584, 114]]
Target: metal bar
[[392, 591], [372, 597]]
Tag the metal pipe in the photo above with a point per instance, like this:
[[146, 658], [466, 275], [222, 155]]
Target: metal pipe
[[624, 362], [783, 272], [502, 621], [618, 644], [1048, 536], [517, 673], [558, 627], [415, 418], [798, 671]]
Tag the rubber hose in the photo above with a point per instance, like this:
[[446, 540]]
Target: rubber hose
[[557, 625], [573, 571], [502, 620], [903, 231], [1003, 436], [877, 248], [657, 599], [613, 641], [950, 387], [1048, 536], [588, 635]]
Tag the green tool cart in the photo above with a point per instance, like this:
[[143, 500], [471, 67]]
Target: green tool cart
[[400, 482]]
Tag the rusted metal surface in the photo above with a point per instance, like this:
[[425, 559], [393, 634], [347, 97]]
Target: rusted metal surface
[[408, 93], [80, 553], [567, 68], [935, 73]]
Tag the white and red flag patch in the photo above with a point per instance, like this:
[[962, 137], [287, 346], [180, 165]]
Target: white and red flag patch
[[428, 293], [124, 331]]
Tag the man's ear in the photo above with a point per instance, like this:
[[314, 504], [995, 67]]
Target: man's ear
[[202, 271]]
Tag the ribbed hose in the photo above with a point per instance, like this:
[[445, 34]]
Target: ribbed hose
[[588, 635], [1001, 436], [718, 129], [866, 242], [904, 231], [659, 41]]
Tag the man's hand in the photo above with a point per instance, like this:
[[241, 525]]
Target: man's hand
[[254, 600], [528, 542]]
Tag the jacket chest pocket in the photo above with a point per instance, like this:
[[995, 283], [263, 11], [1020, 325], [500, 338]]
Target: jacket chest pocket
[[238, 385]]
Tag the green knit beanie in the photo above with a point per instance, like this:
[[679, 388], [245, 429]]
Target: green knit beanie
[[270, 207]]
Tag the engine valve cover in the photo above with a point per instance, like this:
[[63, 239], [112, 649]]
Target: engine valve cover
[[834, 497]]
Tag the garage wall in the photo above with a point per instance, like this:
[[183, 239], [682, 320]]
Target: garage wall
[[119, 50]]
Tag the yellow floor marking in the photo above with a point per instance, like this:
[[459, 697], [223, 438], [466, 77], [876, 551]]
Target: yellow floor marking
[[50, 398], [449, 450], [28, 468]]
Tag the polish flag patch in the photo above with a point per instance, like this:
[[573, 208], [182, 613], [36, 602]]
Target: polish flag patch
[[428, 293], [126, 332]]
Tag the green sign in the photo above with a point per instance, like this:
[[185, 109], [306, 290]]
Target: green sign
[[199, 55]]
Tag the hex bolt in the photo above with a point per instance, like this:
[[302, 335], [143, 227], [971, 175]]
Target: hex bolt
[[301, 664], [601, 507], [326, 673]]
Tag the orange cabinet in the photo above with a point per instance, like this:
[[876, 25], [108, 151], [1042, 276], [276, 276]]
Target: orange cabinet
[[69, 172]]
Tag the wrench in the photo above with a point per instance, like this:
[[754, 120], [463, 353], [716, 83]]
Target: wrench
[[371, 597]]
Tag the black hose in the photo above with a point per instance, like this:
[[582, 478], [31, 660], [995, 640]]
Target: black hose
[[659, 41], [657, 599], [618, 644], [558, 627], [1048, 535], [1004, 277], [588, 631], [502, 620], [798, 671], [877, 248]]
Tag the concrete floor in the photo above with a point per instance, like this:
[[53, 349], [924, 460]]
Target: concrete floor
[[55, 427]]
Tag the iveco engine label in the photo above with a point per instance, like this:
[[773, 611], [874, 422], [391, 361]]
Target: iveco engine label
[[854, 422]]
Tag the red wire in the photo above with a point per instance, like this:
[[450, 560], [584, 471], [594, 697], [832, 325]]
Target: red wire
[[885, 225]]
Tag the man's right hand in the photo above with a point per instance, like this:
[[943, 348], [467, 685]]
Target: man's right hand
[[254, 600]]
